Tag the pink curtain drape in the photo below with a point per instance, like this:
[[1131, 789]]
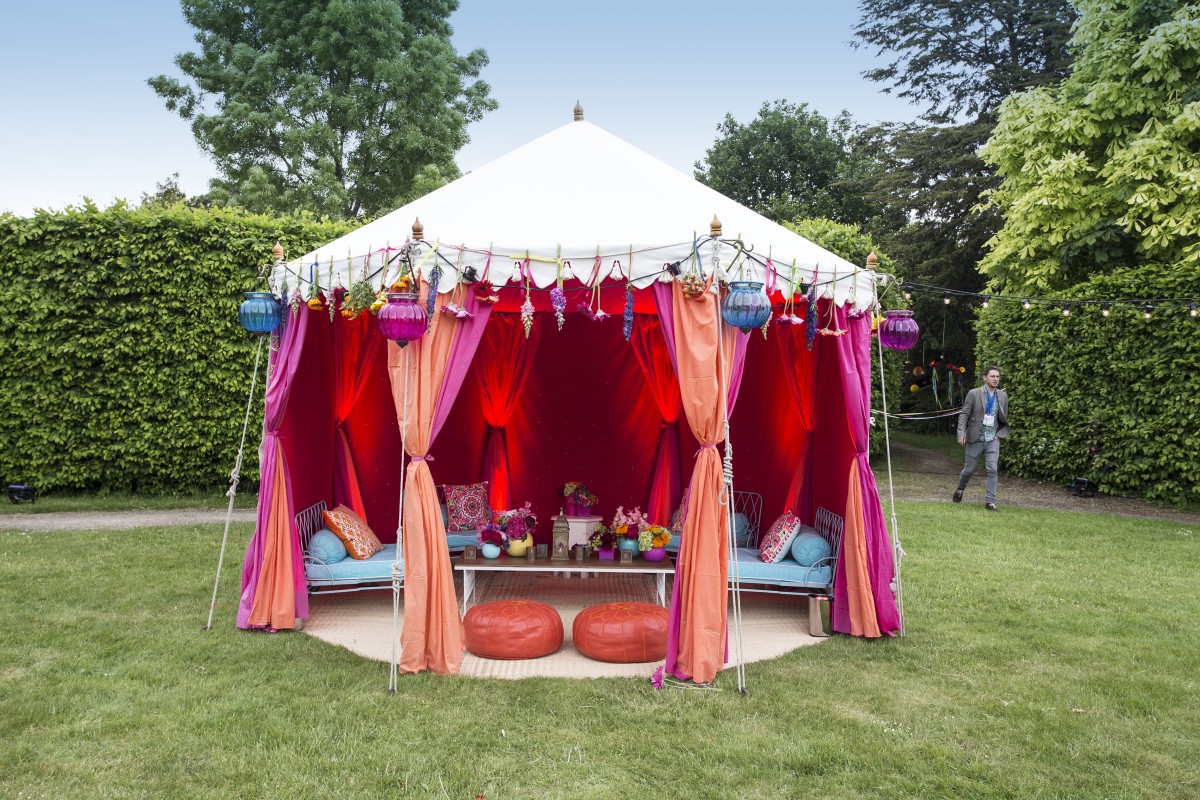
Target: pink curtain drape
[[505, 356], [650, 348], [274, 591], [798, 374], [696, 633], [429, 373], [356, 344], [863, 604]]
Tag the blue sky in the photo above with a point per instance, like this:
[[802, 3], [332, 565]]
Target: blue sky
[[81, 121]]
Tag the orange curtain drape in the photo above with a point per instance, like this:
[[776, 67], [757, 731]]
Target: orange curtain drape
[[505, 356], [696, 648], [650, 348], [432, 636]]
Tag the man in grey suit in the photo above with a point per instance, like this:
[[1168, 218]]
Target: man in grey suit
[[982, 423]]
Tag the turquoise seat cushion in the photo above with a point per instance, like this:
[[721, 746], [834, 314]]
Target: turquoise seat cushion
[[787, 572], [741, 532], [810, 548], [326, 547], [457, 541], [349, 570]]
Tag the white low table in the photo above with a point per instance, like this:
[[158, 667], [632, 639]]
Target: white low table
[[639, 566]]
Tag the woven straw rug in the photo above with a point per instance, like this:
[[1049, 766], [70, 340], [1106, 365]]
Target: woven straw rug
[[362, 623]]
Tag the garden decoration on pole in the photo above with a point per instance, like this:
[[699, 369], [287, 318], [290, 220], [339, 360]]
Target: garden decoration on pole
[[260, 314]]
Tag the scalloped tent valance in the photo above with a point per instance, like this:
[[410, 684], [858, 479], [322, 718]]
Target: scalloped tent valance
[[584, 199]]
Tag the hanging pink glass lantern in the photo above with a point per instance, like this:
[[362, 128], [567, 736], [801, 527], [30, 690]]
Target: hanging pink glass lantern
[[898, 331], [402, 319]]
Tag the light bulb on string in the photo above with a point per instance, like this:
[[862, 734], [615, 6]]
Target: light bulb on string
[[1148, 311], [1104, 310], [1192, 309], [908, 295], [1027, 305], [1066, 311], [946, 299], [986, 301]]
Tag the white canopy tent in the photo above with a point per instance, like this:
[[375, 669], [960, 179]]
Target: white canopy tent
[[581, 198]]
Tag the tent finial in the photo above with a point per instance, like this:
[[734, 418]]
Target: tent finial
[[277, 251], [872, 261], [418, 230], [578, 112], [714, 228]]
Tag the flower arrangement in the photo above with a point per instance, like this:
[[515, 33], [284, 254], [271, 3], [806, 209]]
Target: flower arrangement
[[602, 538], [628, 524], [653, 536], [579, 493], [492, 534], [517, 523]]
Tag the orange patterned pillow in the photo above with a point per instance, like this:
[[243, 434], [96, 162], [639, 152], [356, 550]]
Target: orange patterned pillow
[[361, 542]]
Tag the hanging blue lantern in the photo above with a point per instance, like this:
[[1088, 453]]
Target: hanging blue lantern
[[260, 312], [746, 307]]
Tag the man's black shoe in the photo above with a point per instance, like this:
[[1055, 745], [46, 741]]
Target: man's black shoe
[[990, 506], [958, 495]]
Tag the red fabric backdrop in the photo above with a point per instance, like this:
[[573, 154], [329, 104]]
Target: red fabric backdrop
[[586, 413]]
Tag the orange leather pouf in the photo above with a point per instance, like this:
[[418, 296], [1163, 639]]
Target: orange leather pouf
[[622, 633], [509, 629]]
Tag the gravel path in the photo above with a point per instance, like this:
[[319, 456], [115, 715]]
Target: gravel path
[[116, 520], [918, 474]]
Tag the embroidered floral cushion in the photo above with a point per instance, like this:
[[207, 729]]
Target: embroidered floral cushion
[[467, 507], [361, 542], [680, 514], [778, 541]]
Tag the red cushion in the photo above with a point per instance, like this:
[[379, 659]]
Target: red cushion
[[508, 629], [622, 633]]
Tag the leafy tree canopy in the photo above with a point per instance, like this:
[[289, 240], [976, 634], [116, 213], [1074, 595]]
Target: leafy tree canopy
[[790, 162], [1102, 169], [965, 56], [344, 108]]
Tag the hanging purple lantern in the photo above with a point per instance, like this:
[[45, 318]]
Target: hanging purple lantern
[[402, 318], [898, 331], [260, 312], [746, 307]]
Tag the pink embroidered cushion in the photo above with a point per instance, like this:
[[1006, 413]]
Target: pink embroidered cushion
[[778, 541], [361, 542], [680, 514], [467, 507]]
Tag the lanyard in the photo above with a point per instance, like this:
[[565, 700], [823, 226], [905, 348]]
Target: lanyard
[[991, 401]]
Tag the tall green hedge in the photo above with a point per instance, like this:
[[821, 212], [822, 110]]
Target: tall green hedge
[[122, 363], [1138, 381]]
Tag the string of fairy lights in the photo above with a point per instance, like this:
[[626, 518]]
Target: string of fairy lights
[[1146, 306]]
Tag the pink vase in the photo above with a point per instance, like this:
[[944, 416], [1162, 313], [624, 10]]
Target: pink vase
[[577, 509], [655, 554], [607, 553]]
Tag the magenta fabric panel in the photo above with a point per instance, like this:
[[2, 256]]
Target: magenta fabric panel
[[664, 302], [741, 341], [462, 352], [650, 348], [854, 356], [281, 370]]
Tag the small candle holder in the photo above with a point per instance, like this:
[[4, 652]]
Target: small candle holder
[[531, 554], [470, 552], [626, 556], [543, 550], [580, 552]]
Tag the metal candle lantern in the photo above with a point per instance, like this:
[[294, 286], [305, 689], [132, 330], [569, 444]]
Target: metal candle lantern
[[402, 319], [898, 331], [260, 313], [746, 307]]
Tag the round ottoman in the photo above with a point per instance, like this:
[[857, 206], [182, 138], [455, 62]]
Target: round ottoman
[[509, 629], [622, 633]]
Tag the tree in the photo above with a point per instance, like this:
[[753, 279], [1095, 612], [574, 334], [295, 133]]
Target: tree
[[335, 107], [965, 56], [788, 163], [1102, 170], [959, 58]]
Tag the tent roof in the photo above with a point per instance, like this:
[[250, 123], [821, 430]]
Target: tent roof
[[575, 192]]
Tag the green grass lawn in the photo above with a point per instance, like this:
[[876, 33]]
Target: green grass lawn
[[118, 501], [1048, 654]]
